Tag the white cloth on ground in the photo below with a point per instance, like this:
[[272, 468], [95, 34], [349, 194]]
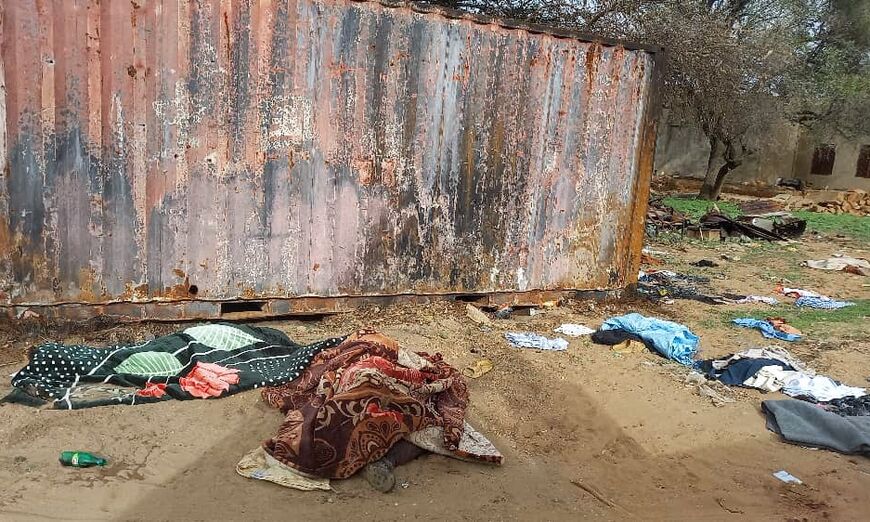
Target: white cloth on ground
[[574, 330], [800, 292], [536, 341], [819, 387], [770, 378], [838, 263], [758, 299], [257, 464], [801, 382]]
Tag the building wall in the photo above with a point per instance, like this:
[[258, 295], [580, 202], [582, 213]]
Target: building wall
[[684, 151], [845, 162], [787, 152]]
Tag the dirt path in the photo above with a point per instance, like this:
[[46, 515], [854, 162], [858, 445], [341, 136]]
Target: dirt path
[[588, 433]]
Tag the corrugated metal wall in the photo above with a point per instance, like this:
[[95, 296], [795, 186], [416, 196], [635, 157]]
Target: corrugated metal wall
[[255, 148]]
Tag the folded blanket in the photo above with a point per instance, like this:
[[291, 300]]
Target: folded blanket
[[807, 424], [356, 400], [209, 360]]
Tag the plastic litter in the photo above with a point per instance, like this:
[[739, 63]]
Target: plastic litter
[[787, 477], [81, 459]]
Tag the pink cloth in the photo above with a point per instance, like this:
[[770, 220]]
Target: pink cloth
[[208, 380], [153, 389]]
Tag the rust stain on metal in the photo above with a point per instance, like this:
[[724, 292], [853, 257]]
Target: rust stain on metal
[[313, 148]]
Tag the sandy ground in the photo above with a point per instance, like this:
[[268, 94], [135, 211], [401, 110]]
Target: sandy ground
[[626, 427]]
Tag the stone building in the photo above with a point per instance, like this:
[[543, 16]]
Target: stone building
[[834, 162]]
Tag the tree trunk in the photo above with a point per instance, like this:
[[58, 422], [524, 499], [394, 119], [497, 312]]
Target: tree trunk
[[714, 179], [712, 174]]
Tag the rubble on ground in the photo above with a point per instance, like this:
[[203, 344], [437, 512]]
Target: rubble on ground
[[855, 202]]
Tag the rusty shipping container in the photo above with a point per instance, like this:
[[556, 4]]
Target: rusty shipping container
[[302, 151]]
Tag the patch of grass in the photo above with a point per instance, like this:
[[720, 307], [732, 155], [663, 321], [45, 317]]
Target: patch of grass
[[694, 208], [856, 227], [809, 320]]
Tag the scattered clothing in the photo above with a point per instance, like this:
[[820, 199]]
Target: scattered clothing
[[257, 464], [757, 299], [807, 424], [665, 284], [796, 292], [819, 387], [574, 330], [197, 362], [473, 446], [773, 369], [825, 303], [766, 328], [812, 299], [673, 340], [536, 341], [154, 389], [743, 370], [614, 337], [844, 263], [705, 263], [358, 399], [787, 477], [209, 380], [771, 352], [769, 378], [849, 406], [780, 324]]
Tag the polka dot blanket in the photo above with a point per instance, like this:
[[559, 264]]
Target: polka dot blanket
[[210, 360]]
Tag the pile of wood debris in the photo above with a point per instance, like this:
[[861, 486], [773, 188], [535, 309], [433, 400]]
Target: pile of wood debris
[[856, 202]]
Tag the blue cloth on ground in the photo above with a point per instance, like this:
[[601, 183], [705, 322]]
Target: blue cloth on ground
[[736, 373], [823, 302], [766, 328], [673, 340]]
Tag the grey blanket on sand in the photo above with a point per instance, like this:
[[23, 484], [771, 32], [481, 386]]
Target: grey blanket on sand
[[804, 423]]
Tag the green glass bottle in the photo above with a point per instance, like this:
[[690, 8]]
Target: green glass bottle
[[81, 459]]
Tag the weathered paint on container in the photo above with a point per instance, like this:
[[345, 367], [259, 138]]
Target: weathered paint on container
[[223, 149]]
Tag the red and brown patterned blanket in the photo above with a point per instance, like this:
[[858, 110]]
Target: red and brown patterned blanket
[[356, 400]]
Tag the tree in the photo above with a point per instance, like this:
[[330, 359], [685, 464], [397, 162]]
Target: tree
[[735, 67], [831, 91], [727, 62]]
